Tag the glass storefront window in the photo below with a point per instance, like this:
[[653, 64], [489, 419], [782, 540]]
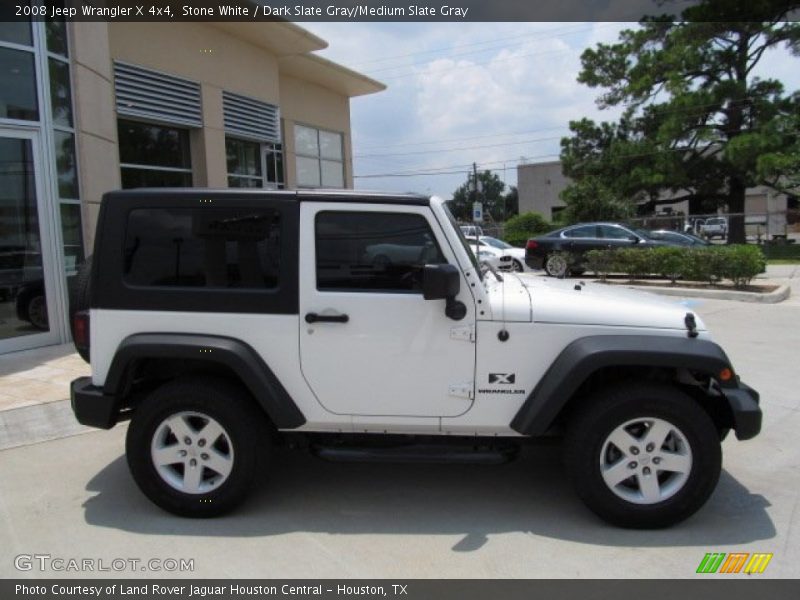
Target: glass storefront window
[[154, 155], [65, 164], [320, 160], [16, 32], [141, 178], [273, 155], [305, 141], [308, 172], [254, 165], [72, 236], [23, 307], [60, 95], [18, 85], [244, 163], [57, 37]]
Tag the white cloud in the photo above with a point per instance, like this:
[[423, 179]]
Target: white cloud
[[496, 83]]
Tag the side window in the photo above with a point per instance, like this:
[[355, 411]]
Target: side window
[[373, 251], [211, 248], [588, 231], [610, 232]]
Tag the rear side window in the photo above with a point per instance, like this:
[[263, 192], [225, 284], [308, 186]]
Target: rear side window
[[588, 231], [373, 251], [202, 248]]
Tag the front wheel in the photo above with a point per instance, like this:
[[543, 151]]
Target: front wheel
[[516, 266], [193, 446], [643, 455]]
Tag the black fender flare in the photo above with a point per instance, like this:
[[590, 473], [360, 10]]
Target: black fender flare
[[586, 355], [235, 354]]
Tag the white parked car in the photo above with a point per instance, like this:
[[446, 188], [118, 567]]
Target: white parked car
[[489, 258], [471, 231], [509, 257], [715, 227]]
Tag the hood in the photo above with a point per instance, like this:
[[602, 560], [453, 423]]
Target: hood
[[558, 301], [509, 300]]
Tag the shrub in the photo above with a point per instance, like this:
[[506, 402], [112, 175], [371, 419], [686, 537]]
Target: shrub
[[599, 262], [741, 263], [670, 263], [520, 228], [634, 262]]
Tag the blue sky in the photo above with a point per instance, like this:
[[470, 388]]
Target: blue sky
[[494, 93]]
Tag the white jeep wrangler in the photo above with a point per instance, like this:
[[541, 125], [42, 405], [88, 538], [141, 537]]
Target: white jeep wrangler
[[359, 325]]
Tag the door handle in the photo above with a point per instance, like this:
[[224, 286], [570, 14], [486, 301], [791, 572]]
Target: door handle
[[315, 318]]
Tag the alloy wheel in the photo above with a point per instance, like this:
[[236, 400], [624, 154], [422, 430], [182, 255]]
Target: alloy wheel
[[646, 460], [192, 452]]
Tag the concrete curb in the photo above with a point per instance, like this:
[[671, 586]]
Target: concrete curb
[[38, 423], [779, 295]]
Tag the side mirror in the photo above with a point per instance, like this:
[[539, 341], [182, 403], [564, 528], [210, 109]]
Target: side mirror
[[443, 282], [634, 239], [440, 282]]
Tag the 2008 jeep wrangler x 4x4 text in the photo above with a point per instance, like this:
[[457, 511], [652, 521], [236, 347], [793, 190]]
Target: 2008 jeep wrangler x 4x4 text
[[361, 326]]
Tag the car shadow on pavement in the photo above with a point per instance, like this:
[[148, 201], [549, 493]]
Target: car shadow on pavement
[[531, 494]]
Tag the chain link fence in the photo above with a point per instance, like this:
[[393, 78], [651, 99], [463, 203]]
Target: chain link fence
[[768, 228]]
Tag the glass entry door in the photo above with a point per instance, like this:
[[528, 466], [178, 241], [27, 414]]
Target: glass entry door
[[28, 311]]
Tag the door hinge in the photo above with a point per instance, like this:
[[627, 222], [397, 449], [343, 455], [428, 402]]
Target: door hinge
[[466, 333], [463, 390]]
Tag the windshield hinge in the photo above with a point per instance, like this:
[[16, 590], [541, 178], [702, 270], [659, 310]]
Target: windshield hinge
[[466, 333], [462, 390]]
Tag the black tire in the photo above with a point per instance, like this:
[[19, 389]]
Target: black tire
[[80, 295], [599, 415], [242, 421], [516, 266], [548, 266]]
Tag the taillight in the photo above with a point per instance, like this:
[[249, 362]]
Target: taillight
[[80, 329], [531, 245]]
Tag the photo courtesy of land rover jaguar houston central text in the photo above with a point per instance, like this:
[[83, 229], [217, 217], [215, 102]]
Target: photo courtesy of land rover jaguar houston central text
[[360, 326]]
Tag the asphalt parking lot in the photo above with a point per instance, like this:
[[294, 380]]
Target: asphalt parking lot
[[74, 498]]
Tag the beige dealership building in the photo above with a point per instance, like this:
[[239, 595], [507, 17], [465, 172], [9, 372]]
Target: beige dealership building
[[93, 106]]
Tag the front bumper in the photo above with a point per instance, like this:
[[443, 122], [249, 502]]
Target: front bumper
[[91, 406], [743, 401]]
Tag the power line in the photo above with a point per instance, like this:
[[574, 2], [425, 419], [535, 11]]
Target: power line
[[504, 46], [471, 44], [463, 139], [459, 148]]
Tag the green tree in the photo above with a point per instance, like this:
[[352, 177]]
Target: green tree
[[520, 228], [697, 122], [491, 196]]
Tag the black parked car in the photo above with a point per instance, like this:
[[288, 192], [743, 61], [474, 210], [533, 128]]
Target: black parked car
[[547, 251]]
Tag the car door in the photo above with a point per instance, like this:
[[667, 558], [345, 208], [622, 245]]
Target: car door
[[581, 239], [370, 344], [616, 237]]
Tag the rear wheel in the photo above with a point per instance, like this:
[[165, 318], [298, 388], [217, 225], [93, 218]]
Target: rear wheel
[[555, 265], [193, 446], [643, 455]]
